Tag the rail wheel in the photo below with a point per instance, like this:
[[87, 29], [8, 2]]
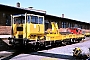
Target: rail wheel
[[74, 40], [63, 43], [71, 41]]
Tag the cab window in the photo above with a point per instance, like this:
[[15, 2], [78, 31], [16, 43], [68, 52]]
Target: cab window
[[19, 20], [28, 19], [40, 20], [34, 19]]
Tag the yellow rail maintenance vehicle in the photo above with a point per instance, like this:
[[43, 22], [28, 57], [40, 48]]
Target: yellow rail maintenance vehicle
[[87, 34], [29, 29], [26, 28]]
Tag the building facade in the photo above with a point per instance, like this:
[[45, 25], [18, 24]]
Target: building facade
[[6, 11]]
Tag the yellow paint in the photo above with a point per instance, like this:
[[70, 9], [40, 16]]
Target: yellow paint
[[36, 32]]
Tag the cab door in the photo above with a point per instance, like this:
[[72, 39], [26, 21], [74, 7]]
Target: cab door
[[41, 24], [35, 26]]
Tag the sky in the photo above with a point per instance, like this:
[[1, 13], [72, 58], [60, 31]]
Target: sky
[[73, 9]]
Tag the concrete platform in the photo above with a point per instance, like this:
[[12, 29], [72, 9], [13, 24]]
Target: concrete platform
[[5, 36]]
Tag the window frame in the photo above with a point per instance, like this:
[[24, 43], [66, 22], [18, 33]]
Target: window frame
[[37, 16]]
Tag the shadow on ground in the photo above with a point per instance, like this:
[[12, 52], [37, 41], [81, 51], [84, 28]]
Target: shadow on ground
[[58, 56], [51, 55], [22, 50], [3, 46]]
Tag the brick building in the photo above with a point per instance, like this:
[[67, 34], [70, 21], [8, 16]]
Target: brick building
[[6, 11]]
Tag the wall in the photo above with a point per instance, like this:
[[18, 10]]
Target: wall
[[2, 18], [5, 30], [5, 18]]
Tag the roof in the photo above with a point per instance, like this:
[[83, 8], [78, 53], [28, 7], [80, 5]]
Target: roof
[[67, 19], [18, 10], [23, 10]]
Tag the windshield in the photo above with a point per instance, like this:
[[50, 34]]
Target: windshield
[[30, 19], [35, 19], [19, 20]]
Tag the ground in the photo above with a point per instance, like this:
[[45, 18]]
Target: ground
[[58, 53]]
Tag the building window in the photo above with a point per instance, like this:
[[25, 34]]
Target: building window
[[3, 14], [64, 24], [76, 25], [69, 25], [46, 21], [8, 20]]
